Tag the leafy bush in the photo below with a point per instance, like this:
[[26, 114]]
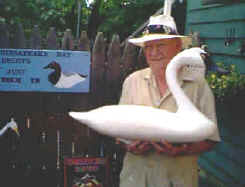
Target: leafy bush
[[226, 85]]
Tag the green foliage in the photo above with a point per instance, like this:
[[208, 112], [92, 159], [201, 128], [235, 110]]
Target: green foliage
[[226, 85], [125, 16], [60, 14], [121, 17]]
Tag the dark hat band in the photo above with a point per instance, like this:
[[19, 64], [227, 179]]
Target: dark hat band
[[160, 29]]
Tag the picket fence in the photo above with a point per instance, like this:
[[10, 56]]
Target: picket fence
[[47, 133]]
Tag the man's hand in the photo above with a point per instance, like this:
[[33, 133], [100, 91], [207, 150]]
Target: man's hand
[[168, 148], [200, 147], [184, 149], [139, 147]]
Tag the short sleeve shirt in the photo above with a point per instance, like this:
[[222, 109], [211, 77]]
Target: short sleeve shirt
[[140, 88]]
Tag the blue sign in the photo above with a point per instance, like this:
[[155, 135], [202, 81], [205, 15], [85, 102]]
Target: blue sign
[[44, 70]]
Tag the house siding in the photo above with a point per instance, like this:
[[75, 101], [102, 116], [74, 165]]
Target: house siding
[[214, 23], [225, 164]]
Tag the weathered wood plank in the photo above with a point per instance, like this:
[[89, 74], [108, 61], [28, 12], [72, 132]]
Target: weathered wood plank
[[113, 71], [114, 56], [97, 94], [98, 70], [218, 30], [53, 102], [59, 102], [218, 14], [238, 61], [218, 46], [208, 2], [4, 36], [80, 101], [19, 41], [35, 41], [129, 59], [52, 39], [67, 41], [84, 43]]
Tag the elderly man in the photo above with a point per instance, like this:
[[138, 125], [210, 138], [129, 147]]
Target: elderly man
[[161, 164]]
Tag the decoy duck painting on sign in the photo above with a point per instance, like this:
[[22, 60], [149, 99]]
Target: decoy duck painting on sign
[[60, 79]]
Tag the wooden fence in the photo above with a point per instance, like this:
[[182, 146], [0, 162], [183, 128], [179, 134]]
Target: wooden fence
[[47, 133]]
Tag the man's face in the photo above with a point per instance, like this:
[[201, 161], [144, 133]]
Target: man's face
[[160, 52]]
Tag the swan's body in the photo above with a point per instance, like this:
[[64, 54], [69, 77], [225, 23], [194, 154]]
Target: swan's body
[[136, 122], [146, 123]]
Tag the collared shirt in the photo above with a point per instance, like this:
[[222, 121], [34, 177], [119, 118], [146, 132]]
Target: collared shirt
[[140, 88]]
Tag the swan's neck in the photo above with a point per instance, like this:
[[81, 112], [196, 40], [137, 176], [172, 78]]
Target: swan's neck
[[183, 102]]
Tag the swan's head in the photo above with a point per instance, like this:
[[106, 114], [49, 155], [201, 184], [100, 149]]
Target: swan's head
[[190, 62], [189, 57], [199, 51]]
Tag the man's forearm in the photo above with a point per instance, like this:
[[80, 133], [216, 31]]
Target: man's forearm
[[200, 147], [184, 149]]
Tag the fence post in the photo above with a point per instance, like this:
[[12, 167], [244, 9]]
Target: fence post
[[35, 38], [67, 41], [129, 59], [52, 39], [19, 41], [113, 71], [4, 36], [98, 71], [84, 44]]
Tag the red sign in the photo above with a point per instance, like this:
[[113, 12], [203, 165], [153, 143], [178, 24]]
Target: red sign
[[85, 172]]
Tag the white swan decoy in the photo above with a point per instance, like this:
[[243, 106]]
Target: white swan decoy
[[13, 125], [135, 122]]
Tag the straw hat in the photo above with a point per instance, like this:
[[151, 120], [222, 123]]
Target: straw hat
[[159, 27]]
